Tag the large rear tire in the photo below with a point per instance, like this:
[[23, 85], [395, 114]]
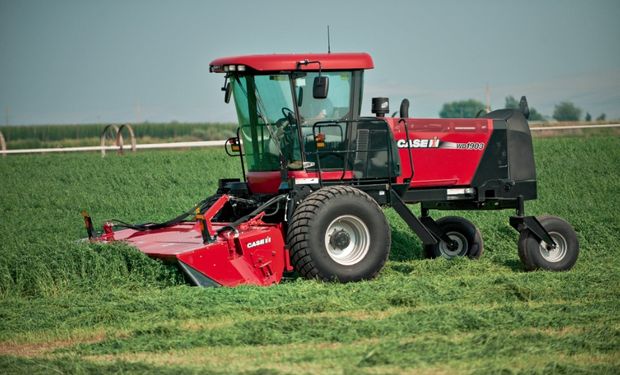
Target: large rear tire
[[339, 233], [535, 254], [467, 238]]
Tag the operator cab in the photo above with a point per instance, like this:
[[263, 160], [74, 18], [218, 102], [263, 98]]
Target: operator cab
[[297, 112]]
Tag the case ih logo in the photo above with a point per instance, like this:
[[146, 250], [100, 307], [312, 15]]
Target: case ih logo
[[436, 143], [262, 241], [418, 143]]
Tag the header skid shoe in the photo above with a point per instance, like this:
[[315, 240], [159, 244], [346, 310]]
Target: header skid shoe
[[252, 253]]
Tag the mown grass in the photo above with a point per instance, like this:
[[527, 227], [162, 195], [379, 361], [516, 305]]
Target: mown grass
[[41, 136], [75, 307]]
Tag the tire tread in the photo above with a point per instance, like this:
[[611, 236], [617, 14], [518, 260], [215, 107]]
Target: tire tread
[[302, 219]]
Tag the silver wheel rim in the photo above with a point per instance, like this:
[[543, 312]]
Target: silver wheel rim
[[461, 248], [557, 254], [359, 240]]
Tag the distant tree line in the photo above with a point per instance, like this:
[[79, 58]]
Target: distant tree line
[[462, 109], [564, 111]]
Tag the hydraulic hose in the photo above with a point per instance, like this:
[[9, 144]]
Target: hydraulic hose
[[233, 226], [203, 205]]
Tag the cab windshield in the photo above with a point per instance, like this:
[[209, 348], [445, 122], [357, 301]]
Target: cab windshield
[[276, 110]]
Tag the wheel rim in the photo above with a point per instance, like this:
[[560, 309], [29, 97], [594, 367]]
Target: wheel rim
[[461, 245], [557, 254], [347, 240]]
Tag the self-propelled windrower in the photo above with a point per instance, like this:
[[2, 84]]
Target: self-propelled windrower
[[316, 174]]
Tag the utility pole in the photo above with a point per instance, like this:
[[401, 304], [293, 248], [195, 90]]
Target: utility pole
[[6, 116]]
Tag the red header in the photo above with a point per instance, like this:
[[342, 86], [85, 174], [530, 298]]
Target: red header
[[279, 62]]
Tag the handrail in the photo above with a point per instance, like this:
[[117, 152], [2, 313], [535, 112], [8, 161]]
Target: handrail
[[350, 149]]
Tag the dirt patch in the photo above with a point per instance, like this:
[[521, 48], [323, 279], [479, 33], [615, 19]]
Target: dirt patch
[[42, 348], [241, 356], [198, 325]]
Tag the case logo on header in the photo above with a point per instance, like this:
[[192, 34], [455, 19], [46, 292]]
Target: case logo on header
[[262, 241]]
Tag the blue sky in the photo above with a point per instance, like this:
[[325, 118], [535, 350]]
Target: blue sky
[[114, 61]]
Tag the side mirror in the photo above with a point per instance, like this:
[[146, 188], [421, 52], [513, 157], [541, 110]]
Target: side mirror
[[320, 87], [232, 146], [227, 92]]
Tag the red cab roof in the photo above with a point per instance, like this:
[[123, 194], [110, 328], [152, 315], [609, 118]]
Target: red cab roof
[[280, 62]]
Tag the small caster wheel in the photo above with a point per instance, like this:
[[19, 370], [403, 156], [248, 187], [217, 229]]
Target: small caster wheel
[[536, 254], [467, 239]]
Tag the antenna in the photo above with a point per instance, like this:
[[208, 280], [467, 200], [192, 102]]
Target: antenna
[[329, 48]]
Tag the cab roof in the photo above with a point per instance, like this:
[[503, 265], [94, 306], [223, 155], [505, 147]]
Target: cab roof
[[288, 62]]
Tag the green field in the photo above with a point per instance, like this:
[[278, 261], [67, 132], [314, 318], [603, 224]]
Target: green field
[[68, 307], [40, 136]]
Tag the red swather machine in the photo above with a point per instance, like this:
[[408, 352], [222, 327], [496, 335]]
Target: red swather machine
[[315, 175]]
